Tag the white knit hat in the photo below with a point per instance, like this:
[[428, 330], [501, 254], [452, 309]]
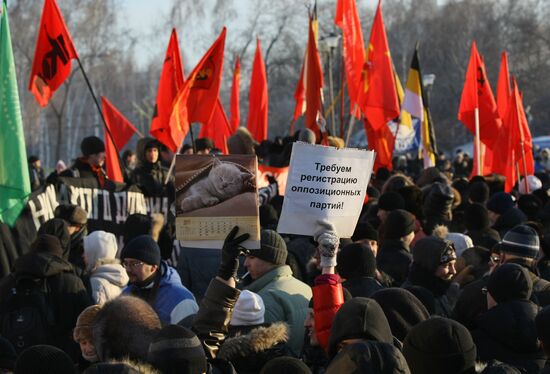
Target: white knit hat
[[249, 310], [460, 241], [533, 182]]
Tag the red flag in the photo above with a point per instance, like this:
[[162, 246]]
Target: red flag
[[382, 141], [52, 56], [171, 81], [218, 129], [235, 91], [179, 118], [477, 93], [503, 86], [121, 130], [525, 138], [206, 86], [500, 153], [382, 103], [314, 82], [300, 94], [354, 52], [257, 98]]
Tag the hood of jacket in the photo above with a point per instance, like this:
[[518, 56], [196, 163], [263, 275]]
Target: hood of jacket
[[41, 265], [112, 273]]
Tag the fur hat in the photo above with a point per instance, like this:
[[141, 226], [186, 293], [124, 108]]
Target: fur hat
[[500, 202], [273, 248], [124, 327], [241, 142], [285, 364], [72, 214], [142, 248], [399, 223], [249, 309], [83, 328], [356, 260], [510, 282], [92, 145], [99, 245], [440, 345], [390, 201], [44, 359], [430, 252], [521, 241]]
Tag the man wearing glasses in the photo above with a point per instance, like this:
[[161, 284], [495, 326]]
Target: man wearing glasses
[[155, 282]]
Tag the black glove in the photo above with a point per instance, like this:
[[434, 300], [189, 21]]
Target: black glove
[[271, 179], [230, 254]]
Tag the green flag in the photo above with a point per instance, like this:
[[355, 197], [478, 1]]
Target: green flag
[[14, 173]]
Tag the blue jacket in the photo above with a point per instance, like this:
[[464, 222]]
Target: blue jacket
[[173, 302]]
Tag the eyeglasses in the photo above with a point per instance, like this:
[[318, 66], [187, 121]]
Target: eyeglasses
[[495, 259], [132, 265]]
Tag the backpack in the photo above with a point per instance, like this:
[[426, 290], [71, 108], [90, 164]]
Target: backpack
[[26, 318]]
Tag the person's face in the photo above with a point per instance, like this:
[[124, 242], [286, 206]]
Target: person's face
[[256, 266], [409, 238], [309, 324], [492, 217], [37, 164], [87, 348], [382, 214], [131, 161], [446, 271], [152, 155], [97, 159], [204, 151], [137, 270]]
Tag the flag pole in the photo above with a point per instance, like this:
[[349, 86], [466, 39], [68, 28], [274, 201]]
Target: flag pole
[[100, 112], [477, 141], [524, 168], [193, 138]]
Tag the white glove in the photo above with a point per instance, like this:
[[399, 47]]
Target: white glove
[[328, 242]]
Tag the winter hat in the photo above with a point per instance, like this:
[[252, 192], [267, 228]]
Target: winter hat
[[425, 296], [307, 136], [142, 248], [412, 196], [438, 201], [460, 241], [151, 143], [364, 230], [510, 282], [521, 241], [92, 145], [430, 252], [98, 245], [84, 323], [273, 248], [8, 355], [136, 224], [241, 142], [533, 182], [285, 364], [58, 228], [500, 202], [202, 144], [399, 223], [429, 176], [49, 244], [542, 322], [73, 214], [531, 205], [440, 345], [177, 349], [479, 192], [359, 318], [44, 359], [249, 310], [402, 309], [356, 260], [476, 217], [268, 216], [390, 201], [369, 357], [33, 159], [124, 327]]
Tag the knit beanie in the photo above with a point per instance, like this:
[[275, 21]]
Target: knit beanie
[[73, 214], [479, 192], [249, 310], [533, 182], [399, 223], [273, 248], [542, 322], [142, 248], [356, 260], [412, 196], [176, 350], [8, 355], [307, 136], [510, 282], [402, 309], [44, 359], [531, 205], [438, 201], [359, 318], [476, 217], [460, 241], [136, 224], [430, 252], [202, 144], [285, 364], [364, 230], [500, 202], [58, 228], [268, 216], [48, 244], [99, 245], [91, 145], [521, 241], [440, 345], [390, 201]]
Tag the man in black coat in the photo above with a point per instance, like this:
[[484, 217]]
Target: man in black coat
[[149, 174]]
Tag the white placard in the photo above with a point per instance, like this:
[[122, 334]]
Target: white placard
[[325, 183]]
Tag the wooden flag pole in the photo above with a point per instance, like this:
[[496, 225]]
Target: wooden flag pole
[[477, 141], [524, 168]]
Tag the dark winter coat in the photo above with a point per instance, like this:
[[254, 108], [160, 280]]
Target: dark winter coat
[[394, 259], [362, 286], [471, 303], [150, 179], [508, 333], [543, 267]]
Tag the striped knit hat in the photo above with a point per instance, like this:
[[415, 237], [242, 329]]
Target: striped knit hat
[[521, 241]]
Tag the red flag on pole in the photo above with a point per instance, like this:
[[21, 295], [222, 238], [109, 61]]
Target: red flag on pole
[[121, 130], [500, 148], [382, 141], [219, 128], [503, 86], [258, 98], [314, 81], [171, 81], [382, 103], [300, 94], [525, 146], [354, 52], [206, 86], [52, 56], [235, 91]]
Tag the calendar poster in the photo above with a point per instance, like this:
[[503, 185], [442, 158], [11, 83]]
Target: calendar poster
[[213, 194]]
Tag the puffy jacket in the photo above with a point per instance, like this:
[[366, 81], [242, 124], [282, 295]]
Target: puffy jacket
[[173, 302], [285, 299], [328, 297], [394, 259], [107, 282]]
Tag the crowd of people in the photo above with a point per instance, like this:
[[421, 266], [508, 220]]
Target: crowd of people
[[443, 274]]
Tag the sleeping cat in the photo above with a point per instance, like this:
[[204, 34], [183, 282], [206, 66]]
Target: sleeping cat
[[224, 181]]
